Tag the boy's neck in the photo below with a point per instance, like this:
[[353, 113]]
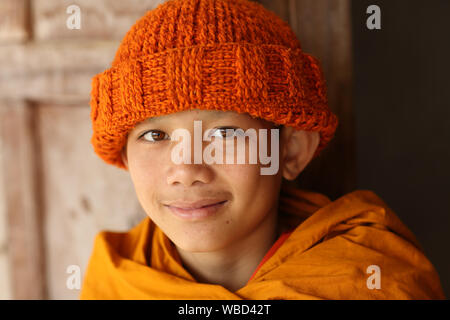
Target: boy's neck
[[233, 266]]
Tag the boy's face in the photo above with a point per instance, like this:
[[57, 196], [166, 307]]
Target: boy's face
[[200, 207]]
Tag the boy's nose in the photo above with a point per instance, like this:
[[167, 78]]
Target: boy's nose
[[189, 174]]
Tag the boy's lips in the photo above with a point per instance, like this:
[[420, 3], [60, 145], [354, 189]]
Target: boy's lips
[[193, 210], [184, 204]]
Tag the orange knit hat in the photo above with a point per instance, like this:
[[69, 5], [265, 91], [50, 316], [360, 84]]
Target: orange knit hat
[[230, 55]]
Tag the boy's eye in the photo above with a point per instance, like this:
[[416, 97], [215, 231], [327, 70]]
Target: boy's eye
[[155, 135], [225, 132]]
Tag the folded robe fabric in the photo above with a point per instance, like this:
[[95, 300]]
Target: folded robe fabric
[[326, 256]]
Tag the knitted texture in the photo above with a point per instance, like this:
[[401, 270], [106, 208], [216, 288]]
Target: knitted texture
[[230, 55]]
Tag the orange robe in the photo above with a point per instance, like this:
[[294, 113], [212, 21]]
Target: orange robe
[[324, 253]]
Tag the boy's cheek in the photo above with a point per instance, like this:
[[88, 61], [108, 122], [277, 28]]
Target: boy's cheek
[[249, 173], [144, 160], [146, 175]]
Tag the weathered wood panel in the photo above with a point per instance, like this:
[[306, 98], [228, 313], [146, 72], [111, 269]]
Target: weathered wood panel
[[55, 71], [100, 19], [324, 30], [81, 194], [20, 160], [14, 22]]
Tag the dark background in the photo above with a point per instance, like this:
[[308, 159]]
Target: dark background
[[401, 100]]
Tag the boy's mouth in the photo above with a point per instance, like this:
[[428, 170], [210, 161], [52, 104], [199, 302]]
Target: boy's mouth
[[194, 204], [194, 210]]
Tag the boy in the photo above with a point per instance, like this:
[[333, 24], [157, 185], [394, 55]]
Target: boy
[[198, 93]]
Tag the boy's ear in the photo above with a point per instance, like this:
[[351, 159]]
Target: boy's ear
[[123, 153], [298, 148]]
